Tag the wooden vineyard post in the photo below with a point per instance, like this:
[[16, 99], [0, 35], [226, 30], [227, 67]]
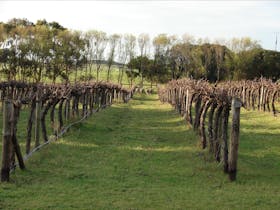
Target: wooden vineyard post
[[226, 110], [216, 132], [187, 106], [6, 140], [29, 126], [234, 139], [202, 124], [67, 110], [15, 116], [60, 117], [37, 119]]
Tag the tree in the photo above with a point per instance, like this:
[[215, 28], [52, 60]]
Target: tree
[[256, 63], [56, 25], [161, 46], [161, 43], [37, 47], [188, 39], [70, 48], [96, 45], [143, 43], [15, 22], [10, 52], [122, 57], [129, 46], [243, 44], [186, 61], [113, 41], [143, 63]]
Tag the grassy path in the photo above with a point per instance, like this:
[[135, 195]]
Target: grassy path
[[141, 155]]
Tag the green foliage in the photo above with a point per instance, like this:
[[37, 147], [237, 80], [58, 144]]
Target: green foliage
[[149, 69], [200, 61], [32, 51], [256, 63], [141, 155]]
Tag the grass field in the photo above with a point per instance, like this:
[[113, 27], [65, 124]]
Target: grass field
[[114, 74], [142, 155]]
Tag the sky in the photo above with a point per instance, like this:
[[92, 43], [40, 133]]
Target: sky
[[259, 20]]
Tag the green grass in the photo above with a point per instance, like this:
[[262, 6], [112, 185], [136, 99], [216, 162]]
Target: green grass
[[142, 155], [114, 74]]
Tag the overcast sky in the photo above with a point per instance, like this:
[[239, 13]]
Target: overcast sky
[[213, 19]]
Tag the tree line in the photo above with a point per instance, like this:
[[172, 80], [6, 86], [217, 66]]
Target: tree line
[[36, 51]]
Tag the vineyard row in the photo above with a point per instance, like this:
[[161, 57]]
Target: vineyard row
[[214, 103], [64, 103]]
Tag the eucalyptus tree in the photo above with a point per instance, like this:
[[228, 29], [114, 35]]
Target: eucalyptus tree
[[188, 39], [60, 53], [122, 57], [113, 41], [79, 44], [37, 45], [71, 47], [130, 45], [162, 44], [3, 49], [90, 50], [143, 43], [243, 44], [20, 46], [95, 45], [10, 51], [219, 56], [74, 46]]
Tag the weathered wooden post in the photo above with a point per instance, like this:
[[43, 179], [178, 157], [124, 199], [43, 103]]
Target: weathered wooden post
[[29, 126], [216, 132], [16, 147], [84, 103], [6, 140], [225, 114], [60, 115], [187, 106], [261, 98], [234, 139], [43, 121], [190, 108], [202, 124], [274, 95], [198, 114], [37, 118], [67, 110]]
